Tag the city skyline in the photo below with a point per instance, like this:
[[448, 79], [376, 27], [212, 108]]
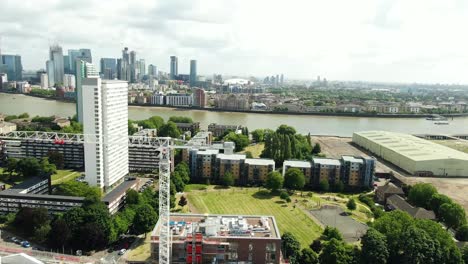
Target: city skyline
[[386, 41]]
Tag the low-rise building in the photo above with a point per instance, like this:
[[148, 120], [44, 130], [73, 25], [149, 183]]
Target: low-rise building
[[324, 170], [351, 108], [304, 166], [389, 189], [6, 127], [198, 238], [192, 127], [396, 202], [256, 170], [233, 102], [179, 99], [219, 130]]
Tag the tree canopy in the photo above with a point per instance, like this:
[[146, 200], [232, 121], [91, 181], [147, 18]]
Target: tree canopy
[[374, 247], [290, 245], [421, 193], [240, 140], [274, 181], [294, 179]]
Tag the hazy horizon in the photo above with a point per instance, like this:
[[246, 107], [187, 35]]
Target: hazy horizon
[[382, 41]]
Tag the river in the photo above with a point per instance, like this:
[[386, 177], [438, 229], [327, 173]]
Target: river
[[316, 125]]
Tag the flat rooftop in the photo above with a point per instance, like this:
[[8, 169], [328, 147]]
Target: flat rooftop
[[323, 161], [230, 156], [220, 226], [297, 163], [352, 159], [412, 147], [265, 162], [119, 190], [26, 184]]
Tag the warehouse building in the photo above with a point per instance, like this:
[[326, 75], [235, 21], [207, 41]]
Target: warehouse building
[[198, 238], [415, 155]]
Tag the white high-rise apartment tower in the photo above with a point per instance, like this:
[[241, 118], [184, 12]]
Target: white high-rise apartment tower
[[105, 116]]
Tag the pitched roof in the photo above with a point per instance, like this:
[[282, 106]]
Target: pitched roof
[[397, 202], [390, 188]]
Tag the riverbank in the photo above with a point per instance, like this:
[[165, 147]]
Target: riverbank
[[339, 114], [344, 114]]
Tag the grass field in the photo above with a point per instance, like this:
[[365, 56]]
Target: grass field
[[195, 187], [251, 201], [455, 144], [256, 149], [64, 175], [141, 250]]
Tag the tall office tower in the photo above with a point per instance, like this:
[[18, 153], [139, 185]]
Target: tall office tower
[[108, 68], [277, 80], [12, 67], [125, 55], [132, 57], [105, 116], [44, 81], [66, 64], [84, 70], [272, 80], [193, 72], [135, 71], [85, 55], [56, 55], [153, 70], [282, 79], [174, 66], [50, 72], [142, 68], [72, 56]]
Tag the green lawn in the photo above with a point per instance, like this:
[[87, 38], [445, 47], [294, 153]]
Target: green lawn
[[64, 175], [251, 201], [195, 187], [256, 149]]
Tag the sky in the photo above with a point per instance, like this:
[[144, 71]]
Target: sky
[[422, 41]]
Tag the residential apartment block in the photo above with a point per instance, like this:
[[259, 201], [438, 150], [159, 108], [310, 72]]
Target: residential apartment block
[[351, 171]]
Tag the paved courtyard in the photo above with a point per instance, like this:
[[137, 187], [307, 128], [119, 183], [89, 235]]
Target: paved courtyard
[[334, 216]]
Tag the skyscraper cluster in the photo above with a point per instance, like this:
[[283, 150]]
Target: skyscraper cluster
[[129, 68], [174, 71], [274, 80]]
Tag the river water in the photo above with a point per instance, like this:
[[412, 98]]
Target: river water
[[316, 125]]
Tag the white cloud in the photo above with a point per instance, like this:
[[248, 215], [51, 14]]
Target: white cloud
[[384, 40]]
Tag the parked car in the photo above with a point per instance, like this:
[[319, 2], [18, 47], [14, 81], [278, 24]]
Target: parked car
[[25, 244], [122, 251]]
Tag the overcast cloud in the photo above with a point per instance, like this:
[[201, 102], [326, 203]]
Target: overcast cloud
[[374, 40]]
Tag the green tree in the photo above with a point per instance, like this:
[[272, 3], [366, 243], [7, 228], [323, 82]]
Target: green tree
[[74, 188], [417, 246], [227, 179], [351, 204], [60, 234], [274, 181], [241, 141], [421, 193], [289, 245], [145, 219], [28, 167], [248, 154], [462, 233], [437, 200], [374, 247], [30, 219], [183, 201], [180, 119], [184, 171], [317, 149], [156, 121], [23, 115], [56, 158], [47, 168], [324, 186], [308, 256], [452, 214], [465, 253], [334, 251], [132, 197], [294, 179], [258, 135], [178, 182], [331, 232], [42, 233], [169, 130], [131, 128], [11, 165], [90, 237]]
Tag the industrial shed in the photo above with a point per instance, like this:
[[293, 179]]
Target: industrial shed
[[414, 155]]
